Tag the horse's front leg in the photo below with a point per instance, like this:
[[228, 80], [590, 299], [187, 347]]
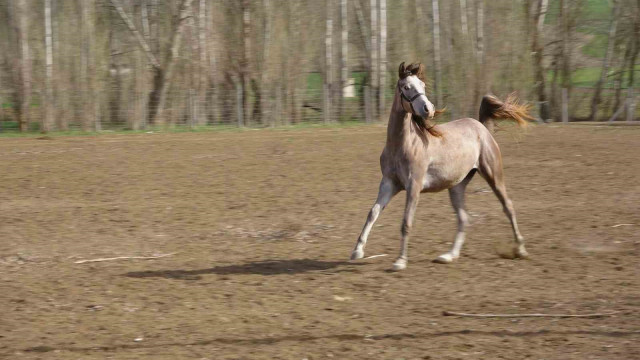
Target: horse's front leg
[[413, 194], [387, 190]]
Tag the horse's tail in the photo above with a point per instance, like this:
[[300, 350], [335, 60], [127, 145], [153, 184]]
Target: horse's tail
[[492, 108]]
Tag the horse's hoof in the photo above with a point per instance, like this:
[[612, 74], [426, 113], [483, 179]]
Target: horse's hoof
[[400, 264], [357, 254], [521, 253], [444, 259]]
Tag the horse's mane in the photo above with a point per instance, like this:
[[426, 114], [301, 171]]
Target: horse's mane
[[416, 69], [424, 125]]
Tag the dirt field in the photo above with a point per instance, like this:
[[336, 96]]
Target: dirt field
[[262, 223]]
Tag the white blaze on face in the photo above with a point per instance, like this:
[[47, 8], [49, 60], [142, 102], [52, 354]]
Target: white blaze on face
[[414, 86]]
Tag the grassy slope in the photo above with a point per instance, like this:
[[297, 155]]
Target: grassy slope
[[594, 21]]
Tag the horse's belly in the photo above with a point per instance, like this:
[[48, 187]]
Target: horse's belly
[[439, 178]]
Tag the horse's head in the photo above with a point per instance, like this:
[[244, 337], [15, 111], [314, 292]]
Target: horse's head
[[413, 91]]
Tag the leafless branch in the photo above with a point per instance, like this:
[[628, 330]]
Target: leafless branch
[[451, 313], [124, 258]]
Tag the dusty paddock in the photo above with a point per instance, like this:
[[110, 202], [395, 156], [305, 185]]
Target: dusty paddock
[[262, 222]]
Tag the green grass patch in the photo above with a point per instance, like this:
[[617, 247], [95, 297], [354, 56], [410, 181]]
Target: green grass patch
[[589, 76], [593, 18], [597, 46]]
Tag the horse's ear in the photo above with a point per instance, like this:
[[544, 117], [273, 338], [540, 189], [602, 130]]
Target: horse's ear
[[401, 70]]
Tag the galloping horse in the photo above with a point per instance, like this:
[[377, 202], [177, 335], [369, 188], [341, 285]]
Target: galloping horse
[[420, 157]]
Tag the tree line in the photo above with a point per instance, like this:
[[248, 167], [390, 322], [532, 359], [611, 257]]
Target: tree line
[[95, 64]]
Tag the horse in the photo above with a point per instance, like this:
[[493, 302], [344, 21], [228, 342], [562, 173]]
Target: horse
[[420, 156]]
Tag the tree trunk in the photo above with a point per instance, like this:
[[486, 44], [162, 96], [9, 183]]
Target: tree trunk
[[344, 66], [153, 27], [328, 65], [141, 41], [436, 52], [364, 30], [537, 48], [163, 76], [403, 45], [373, 71], [463, 46], [554, 99], [24, 58], [630, 103], [479, 69], [366, 45], [566, 51], [605, 63], [245, 74], [472, 39], [213, 104], [144, 15], [88, 69], [383, 57], [47, 119], [266, 116], [202, 63], [141, 116], [620, 76]]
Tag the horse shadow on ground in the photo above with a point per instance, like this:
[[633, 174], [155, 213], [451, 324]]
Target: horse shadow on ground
[[268, 267]]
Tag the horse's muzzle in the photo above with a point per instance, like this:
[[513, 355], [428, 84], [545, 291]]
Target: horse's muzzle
[[426, 110]]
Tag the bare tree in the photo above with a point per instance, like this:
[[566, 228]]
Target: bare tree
[[464, 26], [162, 74], [364, 30], [328, 65], [47, 119], [212, 46], [537, 49], [23, 81], [606, 61], [245, 73], [383, 57], [202, 63], [265, 103], [480, 32], [373, 71], [436, 52], [144, 17], [635, 44], [344, 65], [153, 27], [365, 34], [566, 47], [88, 67]]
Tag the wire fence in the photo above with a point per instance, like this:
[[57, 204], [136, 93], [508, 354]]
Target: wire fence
[[121, 109]]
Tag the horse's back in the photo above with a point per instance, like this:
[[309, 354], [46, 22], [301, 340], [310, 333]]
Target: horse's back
[[466, 125]]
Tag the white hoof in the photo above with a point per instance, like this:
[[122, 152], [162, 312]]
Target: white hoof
[[445, 258], [400, 264], [521, 252], [357, 254]]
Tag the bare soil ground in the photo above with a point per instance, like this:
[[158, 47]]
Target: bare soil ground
[[262, 223]]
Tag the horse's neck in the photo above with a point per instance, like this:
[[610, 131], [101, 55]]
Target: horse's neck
[[399, 129]]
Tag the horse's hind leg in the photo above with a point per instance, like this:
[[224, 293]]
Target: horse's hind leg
[[456, 194], [493, 174], [387, 190]]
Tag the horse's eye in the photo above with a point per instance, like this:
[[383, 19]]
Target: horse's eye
[[407, 87]]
